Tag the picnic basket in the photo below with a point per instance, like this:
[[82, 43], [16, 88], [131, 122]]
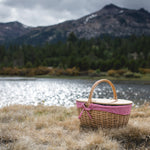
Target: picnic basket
[[104, 113]]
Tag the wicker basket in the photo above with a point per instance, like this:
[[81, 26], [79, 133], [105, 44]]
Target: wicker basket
[[104, 113]]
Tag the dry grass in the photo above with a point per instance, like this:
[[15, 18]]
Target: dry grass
[[51, 128]]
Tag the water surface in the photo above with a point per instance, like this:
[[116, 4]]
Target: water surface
[[64, 92]]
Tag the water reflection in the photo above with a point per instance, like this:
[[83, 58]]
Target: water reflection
[[65, 91]]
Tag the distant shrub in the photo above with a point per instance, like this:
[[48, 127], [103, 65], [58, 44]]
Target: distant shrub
[[52, 71], [75, 71], [72, 71], [94, 73], [10, 71], [117, 73], [112, 73], [137, 75], [129, 74], [91, 72], [42, 71], [69, 71], [23, 72], [31, 72], [98, 71], [144, 70], [121, 71], [58, 71]]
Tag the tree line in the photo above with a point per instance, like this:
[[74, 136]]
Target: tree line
[[103, 53]]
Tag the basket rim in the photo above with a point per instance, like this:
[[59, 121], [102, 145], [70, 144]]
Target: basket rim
[[106, 101]]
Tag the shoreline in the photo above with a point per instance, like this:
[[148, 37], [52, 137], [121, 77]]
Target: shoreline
[[143, 78], [74, 73]]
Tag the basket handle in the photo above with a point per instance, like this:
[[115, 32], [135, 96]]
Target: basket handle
[[98, 82]]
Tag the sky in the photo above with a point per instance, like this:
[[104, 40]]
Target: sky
[[50, 12]]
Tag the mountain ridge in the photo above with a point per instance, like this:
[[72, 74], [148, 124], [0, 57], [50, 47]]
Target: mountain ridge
[[111, 20], [12, 30]]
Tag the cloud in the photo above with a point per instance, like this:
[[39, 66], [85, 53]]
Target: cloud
[[4, 12], [137, 4], [48, 12], [41, 17]]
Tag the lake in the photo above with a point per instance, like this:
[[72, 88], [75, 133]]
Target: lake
[[64, 92]]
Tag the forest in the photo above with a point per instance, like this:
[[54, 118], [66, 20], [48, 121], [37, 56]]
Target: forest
[[103, 53]]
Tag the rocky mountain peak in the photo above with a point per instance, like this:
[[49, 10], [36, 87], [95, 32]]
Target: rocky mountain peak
[[110, 9], [111, 6], [143, 11]]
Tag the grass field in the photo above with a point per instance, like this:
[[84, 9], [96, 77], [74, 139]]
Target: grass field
[[57, 128]]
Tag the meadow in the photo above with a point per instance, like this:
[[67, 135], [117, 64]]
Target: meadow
[[27, 127]]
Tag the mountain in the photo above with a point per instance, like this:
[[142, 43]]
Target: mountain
[[12, 30], [111, 20]]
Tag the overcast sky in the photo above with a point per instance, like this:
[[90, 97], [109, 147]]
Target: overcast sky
[[49, 12]]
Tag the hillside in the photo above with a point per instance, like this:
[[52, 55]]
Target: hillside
[[110, 20], [12, 30]]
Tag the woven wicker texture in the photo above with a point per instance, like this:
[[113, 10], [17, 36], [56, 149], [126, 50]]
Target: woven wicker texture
[[101, 118]]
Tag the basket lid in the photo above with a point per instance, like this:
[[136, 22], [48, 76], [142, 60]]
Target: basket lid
[[107, 101]]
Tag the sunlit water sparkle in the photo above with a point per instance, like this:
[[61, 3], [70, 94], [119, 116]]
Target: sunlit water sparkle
[[64, 92]]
